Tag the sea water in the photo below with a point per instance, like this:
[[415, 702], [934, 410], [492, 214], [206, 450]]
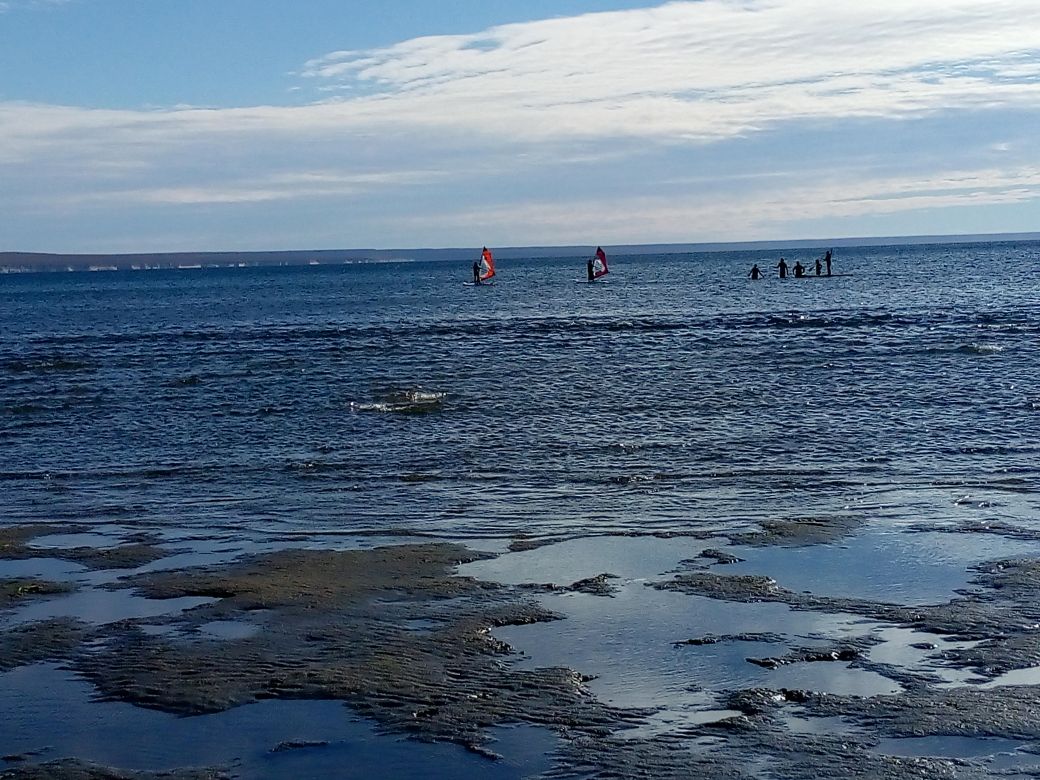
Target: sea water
[[674, 395]]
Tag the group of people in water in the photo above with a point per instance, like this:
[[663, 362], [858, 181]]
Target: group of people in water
[[799, 269]]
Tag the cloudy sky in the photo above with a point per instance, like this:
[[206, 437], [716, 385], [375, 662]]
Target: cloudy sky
[[151, 125]]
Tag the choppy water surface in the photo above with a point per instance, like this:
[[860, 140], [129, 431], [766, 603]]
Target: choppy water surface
[[677, 394]]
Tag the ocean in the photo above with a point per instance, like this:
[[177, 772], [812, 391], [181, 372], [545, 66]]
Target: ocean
[[674, 395]]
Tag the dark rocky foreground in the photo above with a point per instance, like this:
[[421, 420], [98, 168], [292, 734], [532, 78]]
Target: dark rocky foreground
[[397, 636]]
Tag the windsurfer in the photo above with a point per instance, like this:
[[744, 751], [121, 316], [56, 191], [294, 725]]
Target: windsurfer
[[476, 272], [485, 267], [589, 268]]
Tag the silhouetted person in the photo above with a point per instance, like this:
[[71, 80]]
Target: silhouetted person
[[590, 269], [818, 267], [799, 270], [827, 260], [782, 266], [755, 273], [476, 272]]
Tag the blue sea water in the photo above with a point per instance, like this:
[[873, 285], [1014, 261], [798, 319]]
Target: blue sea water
[[674, 395]]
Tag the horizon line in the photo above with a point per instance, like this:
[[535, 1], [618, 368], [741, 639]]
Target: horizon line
[[626, 248]]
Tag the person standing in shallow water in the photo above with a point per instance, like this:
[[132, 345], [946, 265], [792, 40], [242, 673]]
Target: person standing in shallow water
[[827, 260], [782, 266], [818, 267], [476, 272], [755, 273], [799, 270]]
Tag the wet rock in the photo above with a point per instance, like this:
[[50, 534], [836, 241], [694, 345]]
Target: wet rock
[[14, 545], [807, 655], [14, 537], [297, 744], [712, 639], [612, 758], [966, 618], [71, 769], [1006, 711], [800, 532], [719, 556], [124, 556], [14, 591], [595, 586], [999, 655], [522, 544], [334, 626], [991, 527], [47, 640]]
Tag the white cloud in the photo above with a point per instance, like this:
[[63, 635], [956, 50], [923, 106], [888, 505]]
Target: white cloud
[[703, 70], [691, 71], [563, 93], [276, 187], [764, 214], [17, 5]]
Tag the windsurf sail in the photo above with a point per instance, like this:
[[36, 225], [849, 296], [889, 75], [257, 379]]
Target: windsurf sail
[[487, 265], [599, 265]]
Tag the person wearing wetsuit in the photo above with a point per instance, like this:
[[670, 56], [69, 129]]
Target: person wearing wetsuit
[[755, 273], [782, 266], [818, 267], [589, 268], [799, 270], [476, 272], [827, 260]]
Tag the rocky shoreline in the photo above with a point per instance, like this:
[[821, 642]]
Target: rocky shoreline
[[407, 643]]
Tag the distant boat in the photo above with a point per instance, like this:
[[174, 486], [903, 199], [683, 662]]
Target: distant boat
[[487, 265]]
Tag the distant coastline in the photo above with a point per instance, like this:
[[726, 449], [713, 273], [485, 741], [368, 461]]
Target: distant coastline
[[27, 262]]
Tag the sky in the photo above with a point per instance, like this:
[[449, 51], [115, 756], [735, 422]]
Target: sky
[[195, 125]]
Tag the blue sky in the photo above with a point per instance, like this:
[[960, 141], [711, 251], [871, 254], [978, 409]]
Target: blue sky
[[162, 125]]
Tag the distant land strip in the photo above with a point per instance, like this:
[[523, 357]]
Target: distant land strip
[[14, 262]]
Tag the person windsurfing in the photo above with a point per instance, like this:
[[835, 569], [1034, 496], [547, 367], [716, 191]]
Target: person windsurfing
[[476, 272], [486, 266], [597, 266]]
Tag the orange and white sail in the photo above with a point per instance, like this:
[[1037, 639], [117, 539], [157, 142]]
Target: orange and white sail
[[599, 264], [487, 265]]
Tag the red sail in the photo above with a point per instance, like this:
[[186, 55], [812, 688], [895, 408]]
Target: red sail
[[487, 265], [600, 265]]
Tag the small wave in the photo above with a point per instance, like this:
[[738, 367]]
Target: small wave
[[974, 348], [979, 349], [413, 401]]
